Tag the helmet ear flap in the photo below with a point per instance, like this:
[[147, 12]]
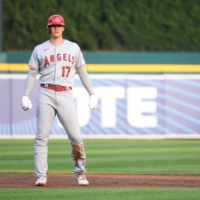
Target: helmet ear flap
[[48, 30]]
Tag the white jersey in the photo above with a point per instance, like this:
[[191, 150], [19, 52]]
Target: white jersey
[[57, 63]]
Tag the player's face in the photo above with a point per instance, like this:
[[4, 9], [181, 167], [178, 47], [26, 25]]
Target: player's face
[[56, 31]]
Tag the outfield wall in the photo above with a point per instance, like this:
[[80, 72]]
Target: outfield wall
[[130, 106], [141, 95]]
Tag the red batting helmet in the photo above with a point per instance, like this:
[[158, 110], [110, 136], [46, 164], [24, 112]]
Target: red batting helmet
[[56, 20]]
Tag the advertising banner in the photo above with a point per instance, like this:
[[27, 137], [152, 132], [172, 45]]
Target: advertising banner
[[130, 106]]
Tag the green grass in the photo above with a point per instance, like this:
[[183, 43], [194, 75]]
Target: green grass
[[101, 194], [107, 156]]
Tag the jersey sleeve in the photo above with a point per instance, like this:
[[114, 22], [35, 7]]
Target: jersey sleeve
[[34, 61], [79, 59]]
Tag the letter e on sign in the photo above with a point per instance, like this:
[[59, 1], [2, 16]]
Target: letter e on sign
[[137, 107]]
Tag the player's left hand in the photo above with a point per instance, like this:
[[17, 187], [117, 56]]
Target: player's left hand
[[26, 103], [93, 102]]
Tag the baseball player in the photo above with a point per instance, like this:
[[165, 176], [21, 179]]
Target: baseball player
[[56, 60]]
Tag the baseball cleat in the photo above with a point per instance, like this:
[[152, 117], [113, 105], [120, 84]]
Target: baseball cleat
[[41, 182], [82, 181]]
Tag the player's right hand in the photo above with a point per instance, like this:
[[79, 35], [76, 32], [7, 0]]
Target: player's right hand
[[26, 103]]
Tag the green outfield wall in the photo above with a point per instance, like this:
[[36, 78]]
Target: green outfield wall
[[118, 57]]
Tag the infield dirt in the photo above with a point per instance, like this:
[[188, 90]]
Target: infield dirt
[[102, 180]]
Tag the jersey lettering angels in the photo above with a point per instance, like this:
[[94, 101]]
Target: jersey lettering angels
[[57, 63]]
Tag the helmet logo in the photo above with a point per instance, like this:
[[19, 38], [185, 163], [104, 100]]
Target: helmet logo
[[57, 19]]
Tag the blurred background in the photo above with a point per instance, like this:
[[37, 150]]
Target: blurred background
[[142, 56], [100, 25]]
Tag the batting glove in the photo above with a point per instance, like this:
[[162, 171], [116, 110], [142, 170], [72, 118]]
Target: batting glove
[[26, 103], [93, 102]]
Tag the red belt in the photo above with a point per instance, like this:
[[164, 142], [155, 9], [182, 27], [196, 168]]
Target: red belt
[[56, 88]]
